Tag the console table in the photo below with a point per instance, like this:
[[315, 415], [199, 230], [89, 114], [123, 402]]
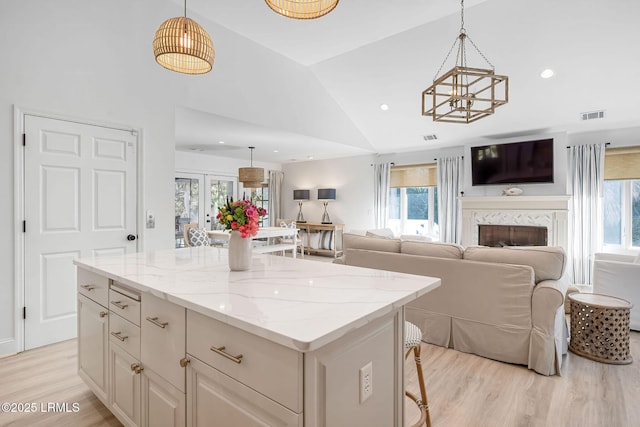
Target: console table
[[314, 227]]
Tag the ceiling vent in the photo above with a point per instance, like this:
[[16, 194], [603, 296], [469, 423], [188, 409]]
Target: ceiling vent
[[431, 137], [592, 115]]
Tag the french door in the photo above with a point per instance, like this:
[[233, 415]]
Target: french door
[[197, 198], [80, 200]]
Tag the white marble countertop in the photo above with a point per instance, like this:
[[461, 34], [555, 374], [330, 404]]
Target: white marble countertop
[[300, 304]]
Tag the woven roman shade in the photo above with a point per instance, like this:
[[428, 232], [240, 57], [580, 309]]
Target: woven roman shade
[[622, 163], [424, 175]]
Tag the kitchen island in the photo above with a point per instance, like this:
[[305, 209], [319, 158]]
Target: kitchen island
[[175, 338]]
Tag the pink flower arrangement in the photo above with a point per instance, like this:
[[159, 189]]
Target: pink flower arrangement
[[242, 216]]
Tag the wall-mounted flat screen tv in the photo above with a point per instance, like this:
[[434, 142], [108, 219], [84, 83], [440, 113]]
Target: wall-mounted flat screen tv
[[513, 163]]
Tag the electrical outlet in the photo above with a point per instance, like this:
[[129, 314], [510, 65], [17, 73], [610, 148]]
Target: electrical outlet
[[366, 382]]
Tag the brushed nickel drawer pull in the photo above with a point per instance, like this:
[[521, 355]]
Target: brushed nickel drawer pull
[[119, 304], [156, 322], [103, 313], [221, 352], [135, 367], [88, 287], [120, 337]]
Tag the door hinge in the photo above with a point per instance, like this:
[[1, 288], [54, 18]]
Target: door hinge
[[24, 226], [24, 312], [24, 139]]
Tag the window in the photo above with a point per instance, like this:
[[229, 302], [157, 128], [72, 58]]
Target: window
[[262, 200], [622, 199], [413, 200], [414, 210], [622, 214]]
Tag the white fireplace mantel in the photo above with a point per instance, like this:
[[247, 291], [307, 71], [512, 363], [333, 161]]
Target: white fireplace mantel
[[551, 212]]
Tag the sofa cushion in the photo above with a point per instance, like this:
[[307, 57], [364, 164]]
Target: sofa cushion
[[434, 249], [387, 233], [415, 238], [548, 262], [353, 241]]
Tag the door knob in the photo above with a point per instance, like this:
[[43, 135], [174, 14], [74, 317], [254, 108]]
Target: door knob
[[131, 237]]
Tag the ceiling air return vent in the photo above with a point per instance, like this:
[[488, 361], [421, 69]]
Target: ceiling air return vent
[[592, 115], [431, 137]]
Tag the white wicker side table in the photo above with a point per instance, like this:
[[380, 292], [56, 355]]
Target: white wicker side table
[[600, 328]]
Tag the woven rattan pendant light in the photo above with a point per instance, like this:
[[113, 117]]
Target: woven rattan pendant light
[[182, 45], [251, 177], [302, 9]]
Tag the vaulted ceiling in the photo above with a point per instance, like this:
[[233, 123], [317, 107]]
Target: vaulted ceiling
[[371, 52]]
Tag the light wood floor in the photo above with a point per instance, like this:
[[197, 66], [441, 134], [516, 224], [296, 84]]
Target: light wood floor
[[464, 391]]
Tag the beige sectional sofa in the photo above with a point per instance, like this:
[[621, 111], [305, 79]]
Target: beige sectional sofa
[[502, 303]]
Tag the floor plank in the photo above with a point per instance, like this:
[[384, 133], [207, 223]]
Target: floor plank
[[470, 391], [464, 391]]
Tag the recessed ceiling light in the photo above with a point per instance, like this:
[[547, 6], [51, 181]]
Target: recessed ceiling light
[[220, 142], [275, 151], [310, 157], [384, 107], [547, 73]]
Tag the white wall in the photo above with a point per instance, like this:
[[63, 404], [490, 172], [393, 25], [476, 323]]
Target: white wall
[[196, 162], [93, 61], [352, 177]]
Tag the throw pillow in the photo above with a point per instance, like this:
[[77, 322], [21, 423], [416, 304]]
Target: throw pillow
[[637, 259], [314, 240], [326, 240], [198, 237]]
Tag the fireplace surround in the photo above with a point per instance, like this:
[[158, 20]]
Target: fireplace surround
[[548, 212]]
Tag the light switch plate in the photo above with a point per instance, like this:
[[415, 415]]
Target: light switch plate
[[151, 220]]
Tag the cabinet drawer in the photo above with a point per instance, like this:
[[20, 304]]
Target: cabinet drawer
[[93, 286], [271, 369], [125, 334], [163, 338], [214, 399], [125, 303]]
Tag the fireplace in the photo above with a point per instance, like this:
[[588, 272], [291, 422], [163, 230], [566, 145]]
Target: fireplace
[[548, 212], [511, 235]]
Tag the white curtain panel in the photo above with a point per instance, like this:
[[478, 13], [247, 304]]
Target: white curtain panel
[[382, 178], [450, 174], [586, 180], [275, 197]]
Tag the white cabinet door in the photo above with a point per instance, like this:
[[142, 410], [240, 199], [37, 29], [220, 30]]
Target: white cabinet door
[[93, 333], [163, 338], [125, 386], [163, 404], [215, 399]]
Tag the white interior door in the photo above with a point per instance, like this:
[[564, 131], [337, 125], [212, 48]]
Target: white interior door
[[79, 200]]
